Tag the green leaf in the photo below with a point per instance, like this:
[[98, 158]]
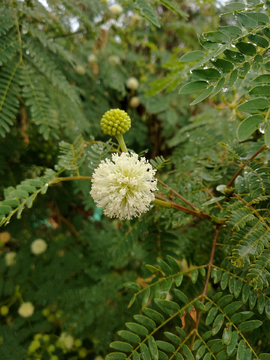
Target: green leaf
[[173, 338], [261, 303], [35, 182], [256, 105], [4, 209], [171, 305], [232, 307], [207, 74], [192, 56], [12, 203], [202, 271], [131, 301], [216, 275], [200, 352], [237, 287], [227, 334], [257, 62], [241, 350], [153, 269], [122, 346], [231, 284], [218, 87], [19, 194], [156, 316], [148, 12], [264, 356], [231, 30], [178, 280], [181, 296], [244, 70], [178, 356], [132, 285], [233, 78], [267, 143], [145, 352], [164, 267], [234, 56], [260, 18], [216, 36], [248, 126], [267, 308], [225, 300], [207, 356], [196, 344], [217, 324], [162, 355], [224, 65], [232, 344], [232, 7], [173, 8], [173, 264], [242, 316], [200, 305], [193, 86], [259, 40], [194, 275], [116, 356], [153, 348], [263, 90], [262, 79], [211, 315], [246, 48], [245, 293], [203, 95], [265, 66], [253, 298], [27, 188], [246, 21], [136, 356], [165, 346], [138, 329], [188, 354], [224, 280], [145, 321], [146, 296], [181, 332], [129, 336], [250, 325]]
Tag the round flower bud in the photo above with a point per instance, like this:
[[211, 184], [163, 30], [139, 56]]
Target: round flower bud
[[66, 341], [26, 309], [115, 122], [4, 310], [46, 338], [5, 237], [33, 346], [134, 102], [38, 246], [51, 348], [80, 70], [98, 358], [10, 258], [132, 83], [116, 9], [92, 58], [114, 59], [78, 343], [54, 357]]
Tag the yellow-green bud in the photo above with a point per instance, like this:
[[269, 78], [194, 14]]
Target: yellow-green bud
[[46, 338], [82, 353], [115, 122], [78, 342], [51, 348], [4, 310]]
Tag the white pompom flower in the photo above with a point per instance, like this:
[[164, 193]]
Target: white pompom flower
[[10, 258], [38, 246], [26, 309], [66, 341], [132, 83], [123, 187]]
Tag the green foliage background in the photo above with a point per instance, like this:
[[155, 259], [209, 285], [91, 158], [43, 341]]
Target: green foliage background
[[187, 282]]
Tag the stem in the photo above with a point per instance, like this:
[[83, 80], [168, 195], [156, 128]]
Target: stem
[[69, 178], [243, 166], [207, 280], [178, 195], [121, 142], [18, 31]]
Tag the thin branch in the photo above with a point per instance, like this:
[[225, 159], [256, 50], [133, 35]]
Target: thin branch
[[206, 280], [178, 195], [243, 166], [70, 178], [209, 193]]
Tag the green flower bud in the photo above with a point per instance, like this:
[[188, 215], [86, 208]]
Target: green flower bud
[[115, 122], [4, 310]]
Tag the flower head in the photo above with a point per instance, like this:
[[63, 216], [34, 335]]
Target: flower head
[[26, 309], [92, 58], [10, 258], [66, 341], [38, 246], [123, 186], [115, 122]]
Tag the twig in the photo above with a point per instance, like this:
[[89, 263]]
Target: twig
[[207, 279], [209, 193], [70, 178], [178, 195], [243, 166]]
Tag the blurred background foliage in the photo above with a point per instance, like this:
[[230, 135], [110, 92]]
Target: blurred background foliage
[[63, 64]]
